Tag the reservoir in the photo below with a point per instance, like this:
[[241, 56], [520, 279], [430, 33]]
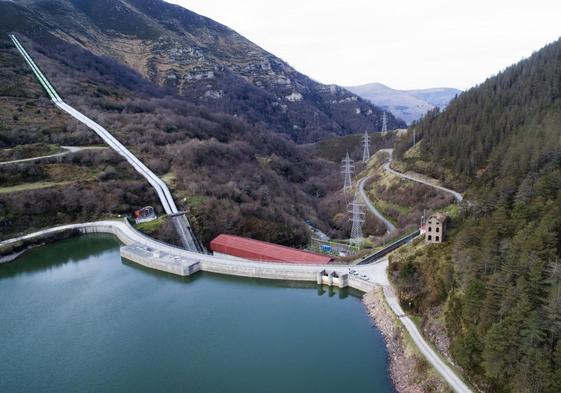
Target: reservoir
[[75, 317]]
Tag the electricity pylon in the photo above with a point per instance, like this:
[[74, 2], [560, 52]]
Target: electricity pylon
[[365, 146], [357, 218], [384, 122], [347, 168]]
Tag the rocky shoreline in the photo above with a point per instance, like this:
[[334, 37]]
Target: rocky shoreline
[[409, 372]]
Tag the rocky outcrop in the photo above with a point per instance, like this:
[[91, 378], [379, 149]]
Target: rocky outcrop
[[202, 60]]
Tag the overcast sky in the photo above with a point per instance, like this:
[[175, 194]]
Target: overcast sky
[[405, 44]]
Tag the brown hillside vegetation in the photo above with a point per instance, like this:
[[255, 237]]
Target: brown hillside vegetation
[[233, 177]]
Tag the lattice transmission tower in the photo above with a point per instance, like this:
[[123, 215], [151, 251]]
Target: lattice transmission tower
[[365, 146], [347, 168], [384, 122], [357, 218]]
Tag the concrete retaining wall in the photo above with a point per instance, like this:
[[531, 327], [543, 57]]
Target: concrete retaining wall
[[361, 285], [164, 263], [106, 228], [266, 270]]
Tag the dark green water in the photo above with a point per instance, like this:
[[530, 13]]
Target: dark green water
[[75, 318]]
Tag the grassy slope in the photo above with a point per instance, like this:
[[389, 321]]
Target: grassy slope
[[400, 200]]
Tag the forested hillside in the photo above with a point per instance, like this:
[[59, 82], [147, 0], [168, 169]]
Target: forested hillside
[[498, 281]]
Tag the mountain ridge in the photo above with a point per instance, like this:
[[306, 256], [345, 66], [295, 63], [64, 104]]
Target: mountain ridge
[[202, 59], [231, 161]]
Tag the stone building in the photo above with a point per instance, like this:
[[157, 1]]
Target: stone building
[[436, 228]]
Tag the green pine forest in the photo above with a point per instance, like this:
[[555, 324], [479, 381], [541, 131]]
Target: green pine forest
[[496, 284]]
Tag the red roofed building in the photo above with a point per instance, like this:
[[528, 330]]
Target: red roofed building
[[242, 247]]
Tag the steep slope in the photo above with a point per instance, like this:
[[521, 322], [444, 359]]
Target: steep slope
[[232, 176], [201, 59], [205, 109], [498, 281], [409, 105], [77, 187]]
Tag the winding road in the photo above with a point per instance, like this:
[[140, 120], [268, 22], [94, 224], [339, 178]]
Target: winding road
[[387, 167], [459, 197], [389, 226], [434, 359]]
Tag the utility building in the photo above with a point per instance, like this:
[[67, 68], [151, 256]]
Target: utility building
[[243, 248], [436, 228]]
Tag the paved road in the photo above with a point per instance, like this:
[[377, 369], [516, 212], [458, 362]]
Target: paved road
[[389, 226], [387, 167], [68, 149], [181, 223], [449, 375]]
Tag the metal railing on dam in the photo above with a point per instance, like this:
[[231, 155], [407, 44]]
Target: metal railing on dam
[[180, 222]]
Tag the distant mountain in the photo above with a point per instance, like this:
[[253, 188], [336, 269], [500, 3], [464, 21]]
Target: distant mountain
[[438, 96], [201, 59], [408, 105]]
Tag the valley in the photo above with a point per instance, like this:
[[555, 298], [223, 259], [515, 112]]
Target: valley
[[142, 120], [102, 132]]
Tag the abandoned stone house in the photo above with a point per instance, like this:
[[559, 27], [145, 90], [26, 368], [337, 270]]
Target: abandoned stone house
[[436, 228]]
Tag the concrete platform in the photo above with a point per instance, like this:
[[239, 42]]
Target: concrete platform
[[160, 260]]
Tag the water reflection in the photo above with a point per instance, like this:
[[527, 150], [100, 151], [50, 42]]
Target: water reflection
[[120, 327], [77, 249], [63, 252]]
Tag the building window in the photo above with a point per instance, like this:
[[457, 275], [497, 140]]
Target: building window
[[430, 237], [437, 238], [430, 229], [437, 229]]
